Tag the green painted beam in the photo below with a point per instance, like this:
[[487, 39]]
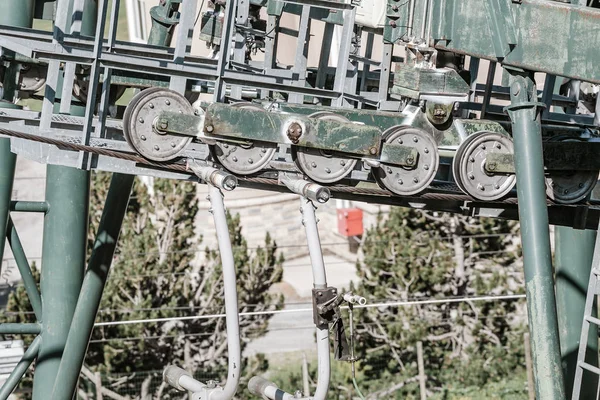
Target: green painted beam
[[63, 266], [20, 329], [8, 162], [29, 206], [543, 31], [535, 237], [574, 250], [93, 286], [15, 376], [25, 270]]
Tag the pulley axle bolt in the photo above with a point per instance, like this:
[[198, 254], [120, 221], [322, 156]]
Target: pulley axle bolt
[[373, 150], [395, 7], [393, 24], [410, 160], [209, 128], [491, 166], [163, 124], [294, 132]]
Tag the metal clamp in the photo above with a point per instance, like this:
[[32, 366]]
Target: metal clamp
[[213, 176], [310, 190]]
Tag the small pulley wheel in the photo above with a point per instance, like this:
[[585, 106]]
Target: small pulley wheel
[[407, 181], [139, 124], [244, 159], [469, 166], [570, 187], [321, 165]]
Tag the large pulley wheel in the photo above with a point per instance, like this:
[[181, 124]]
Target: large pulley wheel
[[139, 123], [406, 181], [569, 187], [469, 166], [323, 166], [244, 159]]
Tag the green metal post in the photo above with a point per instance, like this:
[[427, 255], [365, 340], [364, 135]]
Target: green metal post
[[17, 373], [7, 173], [64, 248], [93, 286], [574, 250], [537, 258], [63, 265], [164, 19]]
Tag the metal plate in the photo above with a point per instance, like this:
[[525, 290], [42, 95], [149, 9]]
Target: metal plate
[[138, 124], [244, 159], [569, 187], [321, 165], [469, 166], [410, 181]]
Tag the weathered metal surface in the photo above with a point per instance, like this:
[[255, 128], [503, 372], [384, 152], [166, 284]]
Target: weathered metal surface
[[535, 237], [224, 120], [96, 275], [179, 124], [453, 135], [551, 36], [573, 262], [211, 28], [500, 163], [413, 82], [404, 156], [63, 264]]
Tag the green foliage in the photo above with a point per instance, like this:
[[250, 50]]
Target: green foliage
[[160, 271], [415, 255]]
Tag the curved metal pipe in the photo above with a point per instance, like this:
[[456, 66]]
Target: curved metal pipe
[[320, 282], [231, 302]]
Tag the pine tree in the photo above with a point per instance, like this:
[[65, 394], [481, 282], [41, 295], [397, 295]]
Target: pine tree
[[417, 255], [158, 272]]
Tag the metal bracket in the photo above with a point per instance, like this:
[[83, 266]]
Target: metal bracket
[[326, 310]]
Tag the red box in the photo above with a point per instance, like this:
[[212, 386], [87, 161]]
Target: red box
[[350, 221]]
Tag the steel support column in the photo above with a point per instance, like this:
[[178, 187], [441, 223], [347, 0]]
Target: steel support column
[[63, 265], [533, 215], [8, 162], [574, 250], [64, 246], [93, 286]]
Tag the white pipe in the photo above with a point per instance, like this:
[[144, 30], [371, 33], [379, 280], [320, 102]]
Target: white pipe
[[261, 387], [231, 302], [320, 282], [181, 380]]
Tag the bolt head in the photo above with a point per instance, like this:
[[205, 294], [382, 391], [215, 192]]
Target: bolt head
[[234, 159], [151, 105], [210, 128], [156, 147], [141, 120], [173, 144], [143, 137], [168, 102], [492, 166], [373, 150]]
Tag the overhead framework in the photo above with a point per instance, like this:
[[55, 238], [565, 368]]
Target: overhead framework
[[420, 130]]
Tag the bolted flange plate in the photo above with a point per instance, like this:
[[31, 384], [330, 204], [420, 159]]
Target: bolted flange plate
[[469, 166], [569, 187], [244, 159], [413, 180], [323, 166], [139, 123]]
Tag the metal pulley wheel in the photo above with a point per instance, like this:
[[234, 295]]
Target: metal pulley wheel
[[407, 181], [244, 159], [569, 187], [469, 166], [139, 124], [321, 165]]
